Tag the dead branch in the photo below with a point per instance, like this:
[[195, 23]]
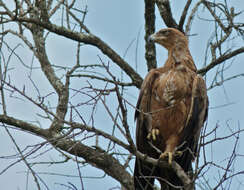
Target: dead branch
[[166, 13], [150, 53]]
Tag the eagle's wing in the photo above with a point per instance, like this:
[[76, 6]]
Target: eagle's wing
[[196, 117], [143, 107], [145, 91], [189, 137], [143, 125]]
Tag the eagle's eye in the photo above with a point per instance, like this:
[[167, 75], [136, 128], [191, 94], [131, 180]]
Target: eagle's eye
[[164, 32]]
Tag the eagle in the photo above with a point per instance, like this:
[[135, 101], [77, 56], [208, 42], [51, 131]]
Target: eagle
[[170, 112]]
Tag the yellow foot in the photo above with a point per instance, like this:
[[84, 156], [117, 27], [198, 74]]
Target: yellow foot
[[153, 134], [170, 155], [178, 153], [165, 155]]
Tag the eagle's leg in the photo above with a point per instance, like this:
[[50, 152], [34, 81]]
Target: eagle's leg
[[153, 134], [165, 155], [170, 155], [170, 150]]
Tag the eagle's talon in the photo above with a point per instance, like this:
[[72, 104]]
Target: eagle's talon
[[165, 155], [178, 153], [153, 134], [149, 136], [170, 155]]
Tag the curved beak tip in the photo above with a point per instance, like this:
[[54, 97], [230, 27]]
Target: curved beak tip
[[151, 38]]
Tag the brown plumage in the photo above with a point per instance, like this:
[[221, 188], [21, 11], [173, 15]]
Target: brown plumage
[[171, 109]]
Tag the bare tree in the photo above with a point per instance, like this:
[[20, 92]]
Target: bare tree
[[66, 112]]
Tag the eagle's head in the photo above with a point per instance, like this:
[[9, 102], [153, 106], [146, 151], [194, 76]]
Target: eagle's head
[[169, 38]]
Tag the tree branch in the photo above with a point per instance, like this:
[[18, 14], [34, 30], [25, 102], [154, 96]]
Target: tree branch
[[166, 14], [61, 89], [217, 19], [95, 157], [188, 184], [183, 15], [150, 53], [91, 40], [191, 17], [219, 60]]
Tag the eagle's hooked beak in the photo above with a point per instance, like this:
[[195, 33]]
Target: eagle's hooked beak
[[151, 38]]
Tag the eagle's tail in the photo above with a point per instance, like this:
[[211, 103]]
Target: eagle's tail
[[143, 175], [171, 180]]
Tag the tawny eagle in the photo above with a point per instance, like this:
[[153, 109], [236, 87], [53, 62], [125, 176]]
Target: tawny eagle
[[171, 110]]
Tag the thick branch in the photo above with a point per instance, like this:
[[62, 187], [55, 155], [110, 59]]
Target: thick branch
[[24, 126], [62, 90], [95, 157], [188, 184], [98, 159], [219, 60], [183, 15], [166, 14], [44, 61], [91, 40], [150, 53]]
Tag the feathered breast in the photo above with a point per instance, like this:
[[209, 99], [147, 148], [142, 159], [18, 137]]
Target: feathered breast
[[173, 85]]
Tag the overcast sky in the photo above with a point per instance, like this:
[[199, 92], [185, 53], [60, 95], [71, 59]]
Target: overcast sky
[[118, 23]]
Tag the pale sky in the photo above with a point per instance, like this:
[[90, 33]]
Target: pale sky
[[118, 23]]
